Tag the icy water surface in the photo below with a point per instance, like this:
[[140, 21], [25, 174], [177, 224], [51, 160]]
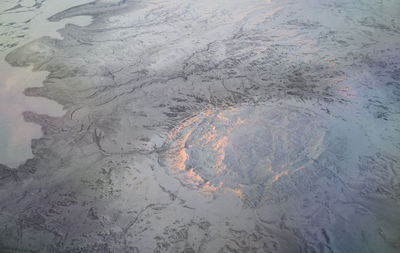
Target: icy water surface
[[20, 22], [201, 126]]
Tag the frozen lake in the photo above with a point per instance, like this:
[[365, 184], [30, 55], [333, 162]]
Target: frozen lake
[[21, 22], [200, 126]]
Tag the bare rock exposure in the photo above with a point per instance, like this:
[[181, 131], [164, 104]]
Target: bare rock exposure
[[210, 126]]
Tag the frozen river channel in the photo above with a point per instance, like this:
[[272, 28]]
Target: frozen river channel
[[200, 126]]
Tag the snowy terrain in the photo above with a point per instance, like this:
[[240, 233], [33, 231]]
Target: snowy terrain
[[204, 126]]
